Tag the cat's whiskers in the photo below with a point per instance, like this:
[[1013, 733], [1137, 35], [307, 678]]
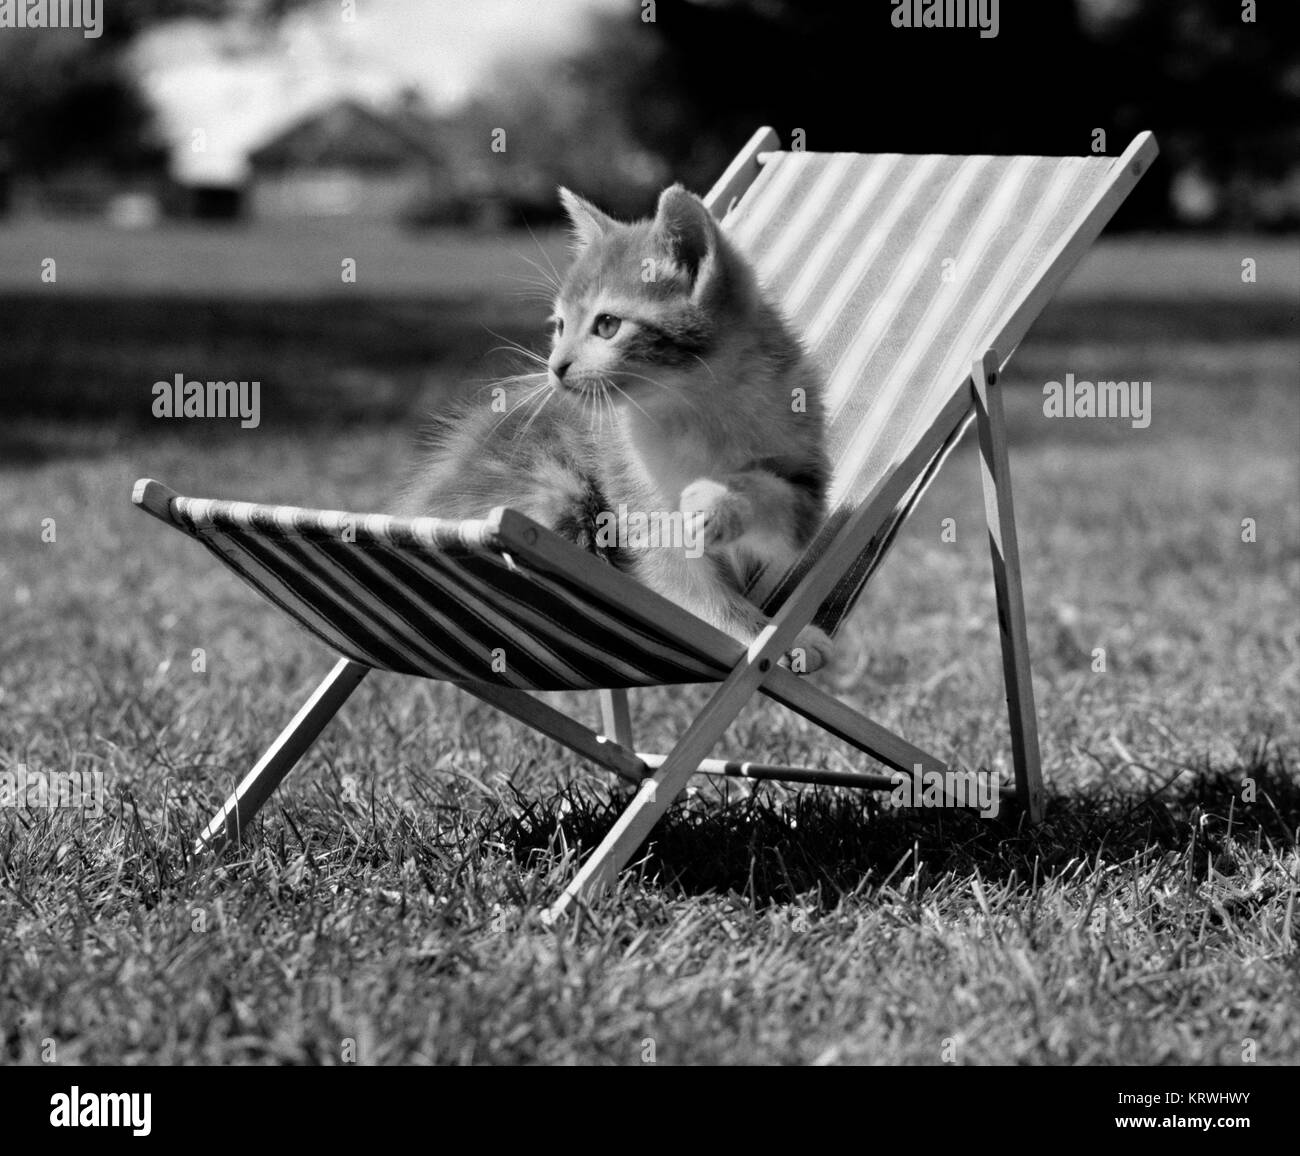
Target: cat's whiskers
[[689, 397], [546, 394], [706, 366], [550, 274], [537, 359], [542, 294], [529, 396], [515, 448], [542, 380], [537, 289], [629, 398], [515, 347], [551, 278], [483, 385], [650, 380], [597, 412], [555, 273], [608, 403]]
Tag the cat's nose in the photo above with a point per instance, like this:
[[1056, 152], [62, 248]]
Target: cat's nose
[[561, 369]]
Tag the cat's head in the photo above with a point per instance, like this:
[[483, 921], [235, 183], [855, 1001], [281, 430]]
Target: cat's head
[[644, 306]]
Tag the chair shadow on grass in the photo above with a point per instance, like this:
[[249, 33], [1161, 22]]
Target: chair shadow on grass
[[777, 850]]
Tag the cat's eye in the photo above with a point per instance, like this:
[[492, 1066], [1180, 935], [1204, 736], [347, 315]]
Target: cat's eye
[[606, 326], [559, 327]]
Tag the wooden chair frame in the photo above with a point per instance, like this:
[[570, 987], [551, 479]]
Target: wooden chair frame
[[659, 779]]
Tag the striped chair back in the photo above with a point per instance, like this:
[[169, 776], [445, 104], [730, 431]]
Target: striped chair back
[[900, 271]]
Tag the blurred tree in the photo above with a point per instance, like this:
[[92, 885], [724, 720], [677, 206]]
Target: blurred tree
[[64, 101], [691, 85], [67, 100], [1222, 92], [844, 75], [565, 123]]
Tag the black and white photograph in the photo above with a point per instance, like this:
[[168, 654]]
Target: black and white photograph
[[698, 534]]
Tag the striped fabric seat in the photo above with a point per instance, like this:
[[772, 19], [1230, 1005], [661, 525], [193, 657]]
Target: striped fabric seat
[[898, 271], [437, 598]]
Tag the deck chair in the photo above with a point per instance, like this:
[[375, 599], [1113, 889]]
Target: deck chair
[[912, 279]]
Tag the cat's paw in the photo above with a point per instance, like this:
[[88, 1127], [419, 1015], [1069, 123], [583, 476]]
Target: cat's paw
[[718, 515], [811, 651]]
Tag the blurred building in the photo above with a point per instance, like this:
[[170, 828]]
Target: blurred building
[[351, 159]]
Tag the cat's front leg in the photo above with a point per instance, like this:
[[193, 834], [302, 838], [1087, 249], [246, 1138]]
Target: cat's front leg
[[719, 515], [766, 516], [733, 613], [810, 651], [767, 519]]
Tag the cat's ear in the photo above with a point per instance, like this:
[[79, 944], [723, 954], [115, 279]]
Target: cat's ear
[[586, 222], [686, 231]]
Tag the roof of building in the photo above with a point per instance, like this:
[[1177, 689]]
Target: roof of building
[[351, 134]]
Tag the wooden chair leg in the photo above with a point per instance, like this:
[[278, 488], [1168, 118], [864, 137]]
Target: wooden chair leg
[[655, 794], [238, 810], [554, 724], [616, 718], [1001, 518]]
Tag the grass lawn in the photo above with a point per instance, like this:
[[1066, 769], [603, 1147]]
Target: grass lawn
[[388, 908]]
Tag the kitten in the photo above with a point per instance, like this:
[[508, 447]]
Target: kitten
[[672, 388]]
